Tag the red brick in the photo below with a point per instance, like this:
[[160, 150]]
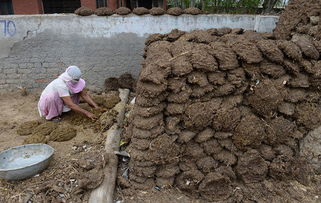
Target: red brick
[[112, 4], [89, 4], [27, 7], [42, 80]]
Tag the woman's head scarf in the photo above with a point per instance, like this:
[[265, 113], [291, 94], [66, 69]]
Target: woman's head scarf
[[72, 77]]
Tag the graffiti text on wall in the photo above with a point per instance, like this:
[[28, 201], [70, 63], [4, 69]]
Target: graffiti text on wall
[[7, 27]]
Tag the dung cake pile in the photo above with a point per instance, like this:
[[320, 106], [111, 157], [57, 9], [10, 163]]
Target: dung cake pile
[[219, 107], [300, 17]]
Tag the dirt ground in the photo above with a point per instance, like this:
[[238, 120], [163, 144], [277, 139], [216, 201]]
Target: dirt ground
[[47, 186], [16, 109]]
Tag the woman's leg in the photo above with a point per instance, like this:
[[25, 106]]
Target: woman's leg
[[51, 106]]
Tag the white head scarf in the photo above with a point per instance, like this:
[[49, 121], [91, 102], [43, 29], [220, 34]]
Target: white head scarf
[[72, 79], [72, 74]]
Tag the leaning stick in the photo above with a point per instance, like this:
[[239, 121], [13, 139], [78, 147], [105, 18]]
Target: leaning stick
[[104, 193]]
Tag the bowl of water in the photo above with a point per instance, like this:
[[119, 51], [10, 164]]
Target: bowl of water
[[25, 161]]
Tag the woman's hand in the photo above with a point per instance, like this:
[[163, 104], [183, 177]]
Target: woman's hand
[[88, 99], [91, 116], [99, 109], [75, 107]]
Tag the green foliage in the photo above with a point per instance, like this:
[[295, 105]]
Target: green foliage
[[223, 6]]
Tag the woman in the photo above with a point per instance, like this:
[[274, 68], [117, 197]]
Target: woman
[[63, 94]]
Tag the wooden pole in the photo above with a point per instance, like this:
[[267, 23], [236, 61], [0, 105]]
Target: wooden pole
[[165, 4], [104, 193]]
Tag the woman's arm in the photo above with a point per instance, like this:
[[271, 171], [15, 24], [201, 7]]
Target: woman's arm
[[88, 99], [75, 107]]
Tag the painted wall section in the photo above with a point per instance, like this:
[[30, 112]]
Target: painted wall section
[[37, 48], [23, 7]]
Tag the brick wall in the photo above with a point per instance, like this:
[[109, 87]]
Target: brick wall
[[112, 4], [27, 6], [89, 3]]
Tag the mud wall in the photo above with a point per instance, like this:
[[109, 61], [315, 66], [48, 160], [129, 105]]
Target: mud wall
[[220, 108], [35, 48]]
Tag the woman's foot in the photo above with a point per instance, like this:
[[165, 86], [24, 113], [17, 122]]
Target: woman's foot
[[56, 119]]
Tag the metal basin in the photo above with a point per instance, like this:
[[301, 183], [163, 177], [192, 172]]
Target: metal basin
[[24, 161]]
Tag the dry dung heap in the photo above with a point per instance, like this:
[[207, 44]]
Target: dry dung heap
[[156, 11], [105, 118], [104, 11], [63, 133], [51, 131], [125, 81], [45, 128], [108, 100], [28, 127], [192, 11], [300, 17], [176, 11], [84, 11], [123, 11], [35, 139], [140, 11], [221, 107], [40, 133]]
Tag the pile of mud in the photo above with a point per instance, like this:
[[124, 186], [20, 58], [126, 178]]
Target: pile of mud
[[221, 107], [300, 17]]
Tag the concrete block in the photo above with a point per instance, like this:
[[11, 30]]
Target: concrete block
[[9, 71], [25, 71], [25, 65], [12, 76], [12, 81]]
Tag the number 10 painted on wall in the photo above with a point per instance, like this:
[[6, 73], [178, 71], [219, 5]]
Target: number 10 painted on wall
[[9, 27]]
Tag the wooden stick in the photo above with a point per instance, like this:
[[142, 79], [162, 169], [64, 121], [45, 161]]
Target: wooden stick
[[104, 193]]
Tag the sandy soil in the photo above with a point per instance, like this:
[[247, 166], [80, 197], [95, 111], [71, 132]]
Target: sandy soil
[[15, 109]]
